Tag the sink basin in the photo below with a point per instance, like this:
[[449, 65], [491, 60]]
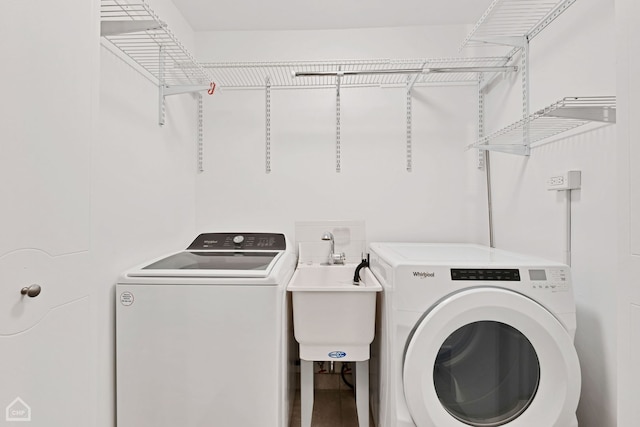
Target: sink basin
[[334, 278], [332, 318]]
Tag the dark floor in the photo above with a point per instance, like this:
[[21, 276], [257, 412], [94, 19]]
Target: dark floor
[[334, 404]]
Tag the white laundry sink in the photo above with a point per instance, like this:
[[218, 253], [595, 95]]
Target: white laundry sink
[[333, 319]]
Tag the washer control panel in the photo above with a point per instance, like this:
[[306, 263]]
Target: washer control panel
[[239, 241]]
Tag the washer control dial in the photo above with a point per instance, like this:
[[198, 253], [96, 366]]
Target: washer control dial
[[238, 240]]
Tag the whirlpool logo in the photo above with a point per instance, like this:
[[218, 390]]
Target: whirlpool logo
[[423, 274]]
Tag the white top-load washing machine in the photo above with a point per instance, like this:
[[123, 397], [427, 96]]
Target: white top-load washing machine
[[202, 335], [473, 336]]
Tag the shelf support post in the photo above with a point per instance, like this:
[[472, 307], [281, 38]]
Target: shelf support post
[[481, 153], [338, 148], [200, 141], [410, 83], [267, 148], [524, 66], [161, 86], [484, 158]]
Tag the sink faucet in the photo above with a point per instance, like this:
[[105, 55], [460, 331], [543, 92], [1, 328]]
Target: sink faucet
[[334, 258]]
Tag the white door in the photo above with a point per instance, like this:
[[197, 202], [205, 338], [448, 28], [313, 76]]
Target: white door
[[45, 342], [48, 51], [489, 357]]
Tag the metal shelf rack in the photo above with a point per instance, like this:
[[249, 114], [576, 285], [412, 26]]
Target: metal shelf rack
[[137, 32], [507, 22], [337, 75], [353, 73], [514, 23], [564, 115]]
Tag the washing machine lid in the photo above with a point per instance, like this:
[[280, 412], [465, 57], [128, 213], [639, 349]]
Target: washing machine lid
[[487, 357], [210, 260], [211, 255]]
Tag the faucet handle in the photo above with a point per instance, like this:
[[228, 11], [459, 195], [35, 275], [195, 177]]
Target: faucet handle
[[338, 258]]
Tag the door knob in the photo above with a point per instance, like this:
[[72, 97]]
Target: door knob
[[32, 291]]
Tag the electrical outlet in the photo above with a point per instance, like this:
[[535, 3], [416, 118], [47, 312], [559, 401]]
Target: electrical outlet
[[567, 181]]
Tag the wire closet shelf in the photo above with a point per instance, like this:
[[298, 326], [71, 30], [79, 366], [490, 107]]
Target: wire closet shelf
[[505, 21], [352, 73], [138, 32], [562, 116]]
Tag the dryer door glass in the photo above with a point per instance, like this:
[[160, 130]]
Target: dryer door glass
[[486, 373]]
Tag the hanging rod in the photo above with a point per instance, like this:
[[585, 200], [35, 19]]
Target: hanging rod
[[407, 71]]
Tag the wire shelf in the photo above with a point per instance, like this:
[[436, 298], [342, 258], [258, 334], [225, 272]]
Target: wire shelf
[[505, 20], [139, 33], [244, 75], [562, 116]]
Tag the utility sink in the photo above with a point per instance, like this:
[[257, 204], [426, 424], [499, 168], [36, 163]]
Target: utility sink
[[333, 319]]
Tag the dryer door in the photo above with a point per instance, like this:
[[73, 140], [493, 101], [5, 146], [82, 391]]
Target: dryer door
[[490, 357]]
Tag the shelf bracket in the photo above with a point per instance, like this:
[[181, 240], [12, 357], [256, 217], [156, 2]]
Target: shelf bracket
[[338, 148], [267, 137], [487, 83], [593, 114], [413, 79], [506, 148], [410, 82], [116, 28], [515, 41], [176, 90]]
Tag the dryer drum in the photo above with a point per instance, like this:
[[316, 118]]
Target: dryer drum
[[486, 374]]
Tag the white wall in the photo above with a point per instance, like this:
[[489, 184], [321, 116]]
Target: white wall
[[572, 57], [441, 200], [143, 200], [143, 193]]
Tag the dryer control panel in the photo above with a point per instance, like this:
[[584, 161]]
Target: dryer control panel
[[553, 279], [488, 274], [239, 241]]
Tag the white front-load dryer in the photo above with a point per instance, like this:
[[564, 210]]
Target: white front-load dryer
[[473, 336]]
